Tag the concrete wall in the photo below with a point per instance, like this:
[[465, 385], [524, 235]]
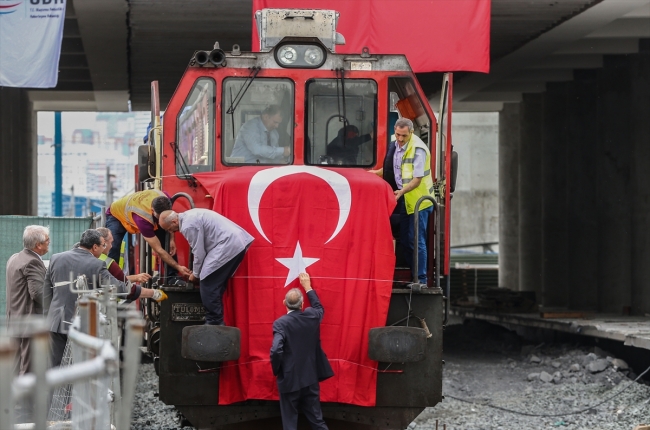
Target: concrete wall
[[475, 206], [17, 153], [581, 216]]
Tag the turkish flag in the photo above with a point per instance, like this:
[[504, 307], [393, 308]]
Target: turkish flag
[[435, 35], [333, 224]]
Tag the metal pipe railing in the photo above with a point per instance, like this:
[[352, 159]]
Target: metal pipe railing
[[99, 364]]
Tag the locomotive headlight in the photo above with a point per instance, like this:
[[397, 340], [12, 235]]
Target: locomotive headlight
[[303, 55], [287, 55], [314, 56]]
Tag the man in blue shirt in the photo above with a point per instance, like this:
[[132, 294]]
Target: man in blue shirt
[[257, 140]]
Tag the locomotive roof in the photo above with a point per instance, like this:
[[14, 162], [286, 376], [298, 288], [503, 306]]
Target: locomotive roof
[[362, 61]]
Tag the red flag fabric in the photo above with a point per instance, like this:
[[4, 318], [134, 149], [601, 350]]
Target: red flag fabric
[[435, 35], [332, 223]]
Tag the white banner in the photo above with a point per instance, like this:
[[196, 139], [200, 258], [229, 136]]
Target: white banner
[[30, 42]]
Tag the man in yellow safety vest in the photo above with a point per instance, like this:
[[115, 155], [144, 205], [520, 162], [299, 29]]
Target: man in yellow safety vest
[[407, 168], [138, 213]]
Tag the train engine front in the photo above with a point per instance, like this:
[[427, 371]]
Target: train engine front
[[280, 141]]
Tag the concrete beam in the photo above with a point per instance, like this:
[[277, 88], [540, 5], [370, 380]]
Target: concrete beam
[[63, 100], [477, 106], [105, 45], [516, 87], [550, 75], [601, 46], [623, 28], [495, 97], [549, 43], [573, 61]]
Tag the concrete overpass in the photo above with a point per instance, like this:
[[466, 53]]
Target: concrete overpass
[[570, 78]]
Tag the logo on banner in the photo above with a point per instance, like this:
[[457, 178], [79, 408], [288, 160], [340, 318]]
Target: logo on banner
[[7, 7], [264, 178]]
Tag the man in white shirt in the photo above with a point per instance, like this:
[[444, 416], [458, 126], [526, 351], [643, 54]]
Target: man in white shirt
[[218, 245]]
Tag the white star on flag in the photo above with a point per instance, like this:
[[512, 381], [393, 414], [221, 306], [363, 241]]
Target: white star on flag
[[296, 264]]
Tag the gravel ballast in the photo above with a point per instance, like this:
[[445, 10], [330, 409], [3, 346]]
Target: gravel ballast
[[149, 413], [486, 364]]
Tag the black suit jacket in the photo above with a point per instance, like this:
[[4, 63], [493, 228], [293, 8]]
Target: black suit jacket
[[296, 355]]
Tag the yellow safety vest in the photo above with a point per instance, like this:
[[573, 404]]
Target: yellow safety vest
[[138, 203], [426, 184], [106, 259]]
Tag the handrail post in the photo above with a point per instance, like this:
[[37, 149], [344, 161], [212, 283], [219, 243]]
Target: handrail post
[[415, 239], [39, 363], [133, 332], [7, 356]]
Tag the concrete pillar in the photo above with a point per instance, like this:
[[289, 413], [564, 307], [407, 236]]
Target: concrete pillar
[[554, 198], [18, 153], [640, 128], [582, 202], [530, 197], [509, 140], [614, 182]]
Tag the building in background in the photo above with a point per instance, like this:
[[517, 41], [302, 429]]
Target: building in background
[[93, 144]]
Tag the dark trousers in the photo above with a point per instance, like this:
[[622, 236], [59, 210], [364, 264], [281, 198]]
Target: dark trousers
[[57, 347], [118, 231], [407, 232], [305, 400], [213, 287], [22, 361]]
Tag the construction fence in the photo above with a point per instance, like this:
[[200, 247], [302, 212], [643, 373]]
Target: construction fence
[[64, 233]]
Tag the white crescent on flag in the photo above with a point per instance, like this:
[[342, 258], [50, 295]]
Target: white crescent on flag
[[264, 178]]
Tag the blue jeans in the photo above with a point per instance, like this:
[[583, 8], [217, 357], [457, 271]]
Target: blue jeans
[[407, 231], [118, 231]]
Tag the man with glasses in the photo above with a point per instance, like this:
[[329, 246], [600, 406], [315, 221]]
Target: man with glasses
[[258, 139], [82, 260], [25, 276]]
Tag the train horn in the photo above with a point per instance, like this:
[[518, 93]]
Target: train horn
[[217, 57], [202, 57]]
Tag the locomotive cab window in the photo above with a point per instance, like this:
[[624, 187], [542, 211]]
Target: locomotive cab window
[[405, 103], [257, 122], [195, 125], [340, 122]]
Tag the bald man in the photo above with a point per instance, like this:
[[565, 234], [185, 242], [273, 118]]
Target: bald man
[[298, 361], [218, 245]]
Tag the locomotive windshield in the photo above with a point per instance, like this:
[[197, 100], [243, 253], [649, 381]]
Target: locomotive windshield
[[257, 121], [340, 122]]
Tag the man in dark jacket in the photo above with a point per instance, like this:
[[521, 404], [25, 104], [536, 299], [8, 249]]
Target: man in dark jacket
[[62, 302], [297, 359]]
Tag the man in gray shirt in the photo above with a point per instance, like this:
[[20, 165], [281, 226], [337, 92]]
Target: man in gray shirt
[[218, 245], [257, 140]]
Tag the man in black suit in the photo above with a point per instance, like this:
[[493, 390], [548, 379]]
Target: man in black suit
[[296, 349]]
